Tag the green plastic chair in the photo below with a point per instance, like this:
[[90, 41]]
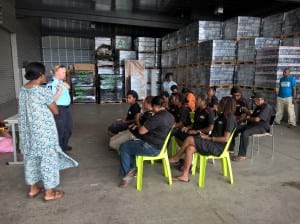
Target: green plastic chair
[[173, 139], [163, 155], [225, 162]]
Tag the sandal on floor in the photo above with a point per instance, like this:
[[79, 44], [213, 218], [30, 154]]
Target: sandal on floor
[[33, 195], [180, 180], [239, 158], [56, 194]]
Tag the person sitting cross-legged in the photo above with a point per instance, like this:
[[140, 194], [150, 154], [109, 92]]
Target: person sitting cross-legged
[[208, 144], [152, 136]]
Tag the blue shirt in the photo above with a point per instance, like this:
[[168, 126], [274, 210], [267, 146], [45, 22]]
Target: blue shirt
[[286, 85], [64, 99]]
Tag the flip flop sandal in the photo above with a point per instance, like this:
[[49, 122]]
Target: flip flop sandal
[[56, 195], [40, 190], [180, 180], [238, 158]]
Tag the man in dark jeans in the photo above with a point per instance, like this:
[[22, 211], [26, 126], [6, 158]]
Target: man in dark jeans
[[152, 137], [257, 123]]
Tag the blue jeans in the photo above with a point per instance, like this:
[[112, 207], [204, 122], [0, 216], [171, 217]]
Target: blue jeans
[[131, 148]]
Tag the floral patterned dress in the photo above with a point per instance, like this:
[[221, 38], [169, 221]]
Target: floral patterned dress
[[43, 157]]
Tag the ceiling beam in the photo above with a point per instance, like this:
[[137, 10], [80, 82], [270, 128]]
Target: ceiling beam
[[115, 17]]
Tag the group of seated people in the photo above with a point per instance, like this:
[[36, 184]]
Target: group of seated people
[[143, 131]]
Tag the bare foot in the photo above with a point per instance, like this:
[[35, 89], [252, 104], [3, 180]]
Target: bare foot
[[53, 194], [181, 178]]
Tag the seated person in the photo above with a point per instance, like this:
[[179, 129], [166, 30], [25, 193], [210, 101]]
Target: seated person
[[242, 104], [257, 123], [203, 121], [189, 99], [208, 144], [212, 100], [179, 111], [132, 131], [132, 115], [152, 136], [165, 97], [174, 89]]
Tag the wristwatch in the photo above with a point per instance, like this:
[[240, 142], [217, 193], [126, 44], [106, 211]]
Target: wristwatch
[[199, 132]]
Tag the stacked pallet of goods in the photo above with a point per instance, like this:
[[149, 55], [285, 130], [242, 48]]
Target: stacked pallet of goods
[[83, 83], [148, 50]]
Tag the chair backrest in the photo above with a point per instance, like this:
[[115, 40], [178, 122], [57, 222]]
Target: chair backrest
[[165, 145], [192, 116], [228, 143]]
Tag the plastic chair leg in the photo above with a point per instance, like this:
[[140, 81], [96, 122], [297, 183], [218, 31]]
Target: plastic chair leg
[[168, 170], [202, 171], [164, 164], [194, 165], [229, 169], [224, 166], [173, 145], [139, 176]]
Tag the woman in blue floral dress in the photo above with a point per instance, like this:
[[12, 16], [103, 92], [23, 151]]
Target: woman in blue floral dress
[[43, 157]]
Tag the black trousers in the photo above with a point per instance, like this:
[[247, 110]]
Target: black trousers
[[246, 131], [64, 126]]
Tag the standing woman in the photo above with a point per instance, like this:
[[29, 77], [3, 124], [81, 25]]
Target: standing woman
[[61, 95], [43, 157]]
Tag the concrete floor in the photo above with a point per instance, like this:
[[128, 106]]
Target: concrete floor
[[264, 190]]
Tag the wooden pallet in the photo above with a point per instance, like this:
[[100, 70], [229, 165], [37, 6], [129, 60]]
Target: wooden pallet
[[289, 35], [247, 87], [112, 102], [245, 62], [265, 89], [222, 62]]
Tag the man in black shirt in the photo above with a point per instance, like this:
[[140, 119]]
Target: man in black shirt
[[132, 115], [257, 123], [152, 136], [203, 121], [242, 104]]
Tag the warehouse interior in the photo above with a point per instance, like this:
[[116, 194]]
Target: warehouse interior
[[203, 43]]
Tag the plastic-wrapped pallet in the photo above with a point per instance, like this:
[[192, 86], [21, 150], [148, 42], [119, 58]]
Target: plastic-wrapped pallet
[[221, 74], [182, 36], [173, 40], [158, 45], [165, 62], [247, 47], [173, 59], [222, 92], [270, 63], [204, 30], [242, 27], [182, 74], [272, 25], [192, 54], [148, 58], [292, 41], [245, 75], [144, 44], [291, 22], [157, 60], [182, 55], [153, 77], [165, 44], [217, 50], [102, 40], [123, 43], [111, 84], [125, 55], [84, 94]]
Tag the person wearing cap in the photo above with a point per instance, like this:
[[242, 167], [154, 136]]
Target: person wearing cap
[[286, 98], [256, 123], [60, 90]]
